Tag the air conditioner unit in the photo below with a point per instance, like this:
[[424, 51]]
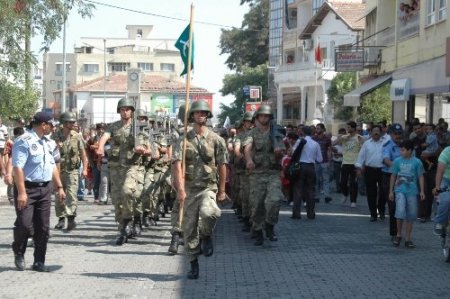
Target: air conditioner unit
[[308, 44]]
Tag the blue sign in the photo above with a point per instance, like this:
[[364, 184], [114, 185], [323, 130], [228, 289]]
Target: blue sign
[[246, 91]]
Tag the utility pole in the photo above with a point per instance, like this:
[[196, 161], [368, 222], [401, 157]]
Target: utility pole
[[63, 91]]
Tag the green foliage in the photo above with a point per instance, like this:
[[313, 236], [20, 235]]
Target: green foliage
[[21, 19], [249, 45], [376, 106], [341, 84], [17, 102], [233, 84]]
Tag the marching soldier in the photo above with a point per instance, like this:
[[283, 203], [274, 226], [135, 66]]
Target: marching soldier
[[126, 167], [263, 151], [174, 216], [73, 154], [239, 164], [206, 156]]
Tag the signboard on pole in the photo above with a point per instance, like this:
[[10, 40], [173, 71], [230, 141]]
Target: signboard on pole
[[349, 61]]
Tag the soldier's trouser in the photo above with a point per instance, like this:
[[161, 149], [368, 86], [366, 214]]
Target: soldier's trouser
[[147, 190], [236, 187], [131, 192], [266, 197], [175, 218], [199, 203], [155, 196], [244, 191], [117, 177], [69, 180]]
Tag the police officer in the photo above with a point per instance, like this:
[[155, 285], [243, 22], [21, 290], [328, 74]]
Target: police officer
[[126, 167], [73, 154], [263, 151], [206, 156], [34, 169]]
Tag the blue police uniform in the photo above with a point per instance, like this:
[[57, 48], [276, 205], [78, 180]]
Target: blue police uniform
[[35, 156]]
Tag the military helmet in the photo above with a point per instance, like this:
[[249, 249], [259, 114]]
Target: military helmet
[[248, 116], [125, 102], [238, 124], [152, 116], [264, 109], [181, 112], [68, 116], [141, 113], [200, 106]]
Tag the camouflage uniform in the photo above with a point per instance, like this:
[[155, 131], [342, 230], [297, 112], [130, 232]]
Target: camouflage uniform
[[242, 181], [71, 150], [203, 155], [126, 172], [264, 181]]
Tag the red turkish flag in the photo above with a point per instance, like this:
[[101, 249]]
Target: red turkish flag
[[318, 54]]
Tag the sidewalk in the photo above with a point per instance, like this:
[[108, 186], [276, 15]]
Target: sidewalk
[[338, 255]]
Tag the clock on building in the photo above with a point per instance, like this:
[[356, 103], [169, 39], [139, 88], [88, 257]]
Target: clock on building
[[134, 76]]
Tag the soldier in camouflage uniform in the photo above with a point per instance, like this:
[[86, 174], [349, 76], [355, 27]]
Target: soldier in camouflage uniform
[[239, 164], [126, 162], [176, 232], [206, 156], [73, 154], [263, 150]]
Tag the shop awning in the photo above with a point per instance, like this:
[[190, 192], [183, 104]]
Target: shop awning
[[353, 98]]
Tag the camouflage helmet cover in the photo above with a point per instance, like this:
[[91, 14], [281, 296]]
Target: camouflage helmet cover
[[264, 109], [125, 102], [141, 113], [200, 106], [68, 116], [248, 116], [181, 112]]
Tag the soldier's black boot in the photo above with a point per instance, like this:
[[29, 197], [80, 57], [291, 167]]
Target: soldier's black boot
[[71, 224], [60, 224], [270, 232], [145, 220], [247, 225], [174, 243], [129, 230], [137, 226], [193, 274], [259, 238], [207, 246], [123, 238]]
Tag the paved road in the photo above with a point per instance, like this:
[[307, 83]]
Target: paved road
[[338, 255]]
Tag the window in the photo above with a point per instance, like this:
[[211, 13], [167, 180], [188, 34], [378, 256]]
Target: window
[[110, 50], [59, 85], [90, 68], [168, 67], [145, 66], [59, 68], [436, 11], [118, 66], [139, 32], [290, 56]]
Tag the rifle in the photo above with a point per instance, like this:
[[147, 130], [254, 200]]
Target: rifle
[[274, 134]]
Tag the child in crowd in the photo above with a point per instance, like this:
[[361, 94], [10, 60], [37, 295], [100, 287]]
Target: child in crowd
[[431, 146], [407, 172]]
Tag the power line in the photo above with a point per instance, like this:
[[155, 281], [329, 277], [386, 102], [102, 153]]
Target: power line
[[158, 15]]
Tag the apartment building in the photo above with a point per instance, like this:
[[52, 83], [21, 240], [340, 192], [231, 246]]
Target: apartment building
[[97, 57], [304, 37], [414, 51]]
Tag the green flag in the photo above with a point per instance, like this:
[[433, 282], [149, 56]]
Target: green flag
[[182, 44]]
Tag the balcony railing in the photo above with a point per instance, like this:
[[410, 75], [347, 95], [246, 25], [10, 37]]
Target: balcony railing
[[409, 26]]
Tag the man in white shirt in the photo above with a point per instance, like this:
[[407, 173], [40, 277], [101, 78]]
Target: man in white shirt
[[305, 184], [370, 162], [3, 136]]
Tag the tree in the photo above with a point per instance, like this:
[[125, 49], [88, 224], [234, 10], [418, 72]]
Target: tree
[[233, 84], [249, 45], [340, 85], [22, 19], [376, 106], [248, 55], [17, 102]]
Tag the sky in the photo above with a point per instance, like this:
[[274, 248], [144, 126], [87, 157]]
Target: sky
[[209, 69]]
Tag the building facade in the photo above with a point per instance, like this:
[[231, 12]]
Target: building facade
[[312, 32], [96, 57]]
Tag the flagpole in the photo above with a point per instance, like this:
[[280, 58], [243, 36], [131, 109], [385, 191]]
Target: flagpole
[[186, 114]]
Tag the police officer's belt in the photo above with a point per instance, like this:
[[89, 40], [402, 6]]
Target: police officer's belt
[[35, 184]]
